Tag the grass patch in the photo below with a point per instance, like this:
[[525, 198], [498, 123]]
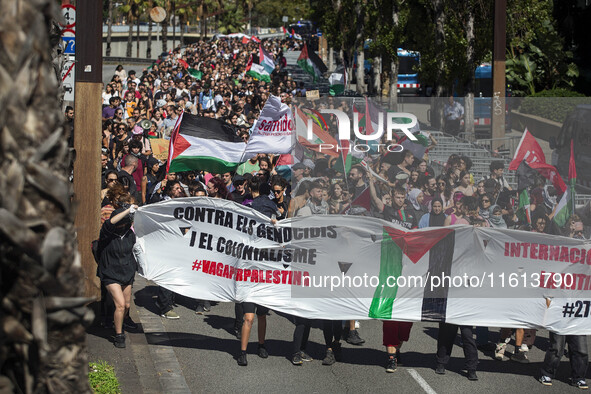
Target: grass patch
[[102, 378]]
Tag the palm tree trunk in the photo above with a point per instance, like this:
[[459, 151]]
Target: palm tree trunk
[[137, 24], [165, 34], [182, 23], [109, 28], [149, 43], [130, 33], [41, 281]]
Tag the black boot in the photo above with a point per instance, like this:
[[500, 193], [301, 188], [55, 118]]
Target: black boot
[[119, 340]]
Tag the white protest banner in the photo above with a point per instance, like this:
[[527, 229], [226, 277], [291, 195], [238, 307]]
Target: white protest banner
[[272, 133], [343, 268]]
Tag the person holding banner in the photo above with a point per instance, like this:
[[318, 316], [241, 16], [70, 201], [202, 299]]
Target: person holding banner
[[117, 265], [577, 346]]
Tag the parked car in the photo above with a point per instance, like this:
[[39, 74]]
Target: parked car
[[577, 127]]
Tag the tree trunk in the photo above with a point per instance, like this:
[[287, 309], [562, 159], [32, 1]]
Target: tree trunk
[[469, 97], [437, 104], [130, 34], [137, 24], [182, 23], [165, 35], [43, 314], [393, 84], [377, 72], [173, 14], [394, 66], [149, 43], [360, 72], [109, 28], [331, 65]]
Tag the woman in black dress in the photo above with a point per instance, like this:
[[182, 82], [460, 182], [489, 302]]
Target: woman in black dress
[[117, 265]]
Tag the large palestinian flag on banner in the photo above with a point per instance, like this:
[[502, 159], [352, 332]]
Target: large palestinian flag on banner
[[437, 245], [200, 143]]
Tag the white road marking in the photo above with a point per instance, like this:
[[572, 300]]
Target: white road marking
[[419, 379]]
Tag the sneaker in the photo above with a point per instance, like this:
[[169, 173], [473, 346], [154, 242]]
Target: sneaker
[[472, 375], [520, 357], [263, 351], [391, 366], [440, 369], [500, 352], [545, 380], [172, 315], [329, 359], [200, 309], [129, 324], [237, 331], [354, 338], [119, 341], [297, 359], [579, 383], [242, 359], [305, 356], [206, 306]]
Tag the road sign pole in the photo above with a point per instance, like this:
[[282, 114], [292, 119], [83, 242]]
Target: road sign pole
[[87, 135], [498, 99]]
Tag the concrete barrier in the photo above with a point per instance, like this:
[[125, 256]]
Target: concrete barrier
[[540, 128]]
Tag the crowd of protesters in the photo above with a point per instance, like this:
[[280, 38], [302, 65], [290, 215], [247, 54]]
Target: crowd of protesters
[[209, 79]]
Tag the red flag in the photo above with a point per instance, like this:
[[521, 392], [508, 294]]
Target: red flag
[[183, 63], [528, 149], [245, 40], [368, 126], [572, 168], [255, 39]]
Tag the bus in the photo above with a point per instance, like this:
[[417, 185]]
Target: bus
[[408, 74]]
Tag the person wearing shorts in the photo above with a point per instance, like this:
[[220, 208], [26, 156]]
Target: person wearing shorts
[[250, 308]]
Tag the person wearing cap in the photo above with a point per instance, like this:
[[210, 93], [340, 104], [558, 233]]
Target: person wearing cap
[[240, 193]]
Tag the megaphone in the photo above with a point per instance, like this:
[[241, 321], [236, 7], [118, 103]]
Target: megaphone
[[145, 124]]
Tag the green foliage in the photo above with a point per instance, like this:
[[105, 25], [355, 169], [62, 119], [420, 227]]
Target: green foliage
[[270, 12], [102, 378], [231, 20], [554, 104], [536, 59]]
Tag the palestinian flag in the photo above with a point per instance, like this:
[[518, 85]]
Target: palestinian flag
[[195, 73], [566, 205], [200, 143], [295, 35], [319, 134], [266, 60], [337, 81], [285, 31], [523, 212], [257, 71], [403, 253], [309, 65]]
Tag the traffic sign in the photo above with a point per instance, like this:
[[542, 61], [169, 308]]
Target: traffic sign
[[69, 38], [69, 14], [68, 78]]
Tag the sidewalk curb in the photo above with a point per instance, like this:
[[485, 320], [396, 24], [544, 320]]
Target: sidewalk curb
[[166, 365]]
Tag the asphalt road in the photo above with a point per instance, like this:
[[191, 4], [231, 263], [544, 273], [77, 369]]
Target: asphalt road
[[206, 349]]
